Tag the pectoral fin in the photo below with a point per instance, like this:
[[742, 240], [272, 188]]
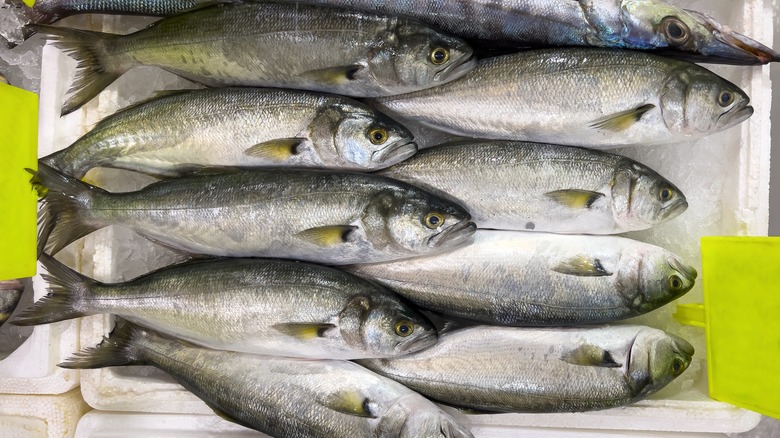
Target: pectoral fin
[[575, 198], [591, 355], [280, 149], [350, 403], [304, 331], [327, 236], [623, 120], [582, 266], [334, 75]]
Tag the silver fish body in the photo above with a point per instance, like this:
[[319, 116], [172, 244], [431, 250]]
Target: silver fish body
[[630, 24], [274, 307], [10, 294], [323, 216], [270, 44], [596, 98], [281, 397], [538, 279], [544, 187], [504, 369], [240, 127]]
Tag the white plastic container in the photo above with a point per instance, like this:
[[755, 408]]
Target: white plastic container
[[725, 178]]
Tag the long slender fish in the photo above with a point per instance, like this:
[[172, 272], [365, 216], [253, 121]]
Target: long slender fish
[[631, 24], [596, 98], [281, 397], [275, 307], [10, 294], [537, 279], [505, 369], [545, 187], [241, 127], [321, 216], [269, 44]]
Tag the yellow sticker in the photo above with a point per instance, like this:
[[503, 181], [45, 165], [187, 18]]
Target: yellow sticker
[[18, 202]]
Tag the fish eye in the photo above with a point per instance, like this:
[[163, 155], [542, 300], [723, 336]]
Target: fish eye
[[404, 328], [726, 98], [665, 194], [440, 55], [677, 32], [675, 283], [377, 135], [434, 220], [677, 366]]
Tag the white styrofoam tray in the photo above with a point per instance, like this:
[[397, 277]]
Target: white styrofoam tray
[[52, 416], [725, 178]]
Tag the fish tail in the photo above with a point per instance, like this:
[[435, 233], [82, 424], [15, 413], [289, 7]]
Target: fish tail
[[120, 347], [67, 293], [95, 69], [65, 201], [62, 163]]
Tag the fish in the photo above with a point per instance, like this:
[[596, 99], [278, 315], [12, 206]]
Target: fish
[[517, 278], [10, 295], [547, 188], [541, 370], [239, 127], [269, 44], [629, 24], [595, 98], [287, 397], [328, 217], [273, 307]]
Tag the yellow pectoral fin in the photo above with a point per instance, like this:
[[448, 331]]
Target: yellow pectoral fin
[[350, 403], [304, 331], [582, 266], [280, 149], [576, 199], [623, 120], [327, 236], [334, 75], [590, 355]]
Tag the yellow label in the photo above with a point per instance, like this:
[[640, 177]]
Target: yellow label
[[18, 202]]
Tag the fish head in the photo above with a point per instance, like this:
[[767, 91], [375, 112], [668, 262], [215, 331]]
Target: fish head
[[655, 359], [654, 277], [416, 222], [359, 138], [423, 57], [689, 35], [392, 328], [696, 102], [642, 198], [413, 416]]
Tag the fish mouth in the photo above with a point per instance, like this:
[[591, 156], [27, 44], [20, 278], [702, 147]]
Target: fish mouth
[[683, 348], [729, 47], [395, 153], [455, 71], [427, 341], [673, 210], [741, 112], [453, 235]]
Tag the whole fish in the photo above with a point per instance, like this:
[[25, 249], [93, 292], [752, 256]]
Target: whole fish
[[271, 44], [597, 98], [630, 24], [505, 369], [312, 215], [241, 127], [545, 187], [275, 307], [293, 398], [537, 279], [10, 294]]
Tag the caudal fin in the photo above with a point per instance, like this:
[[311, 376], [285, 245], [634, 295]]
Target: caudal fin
[[66, 200], [68, 291], [94, 70], [117, 349]]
